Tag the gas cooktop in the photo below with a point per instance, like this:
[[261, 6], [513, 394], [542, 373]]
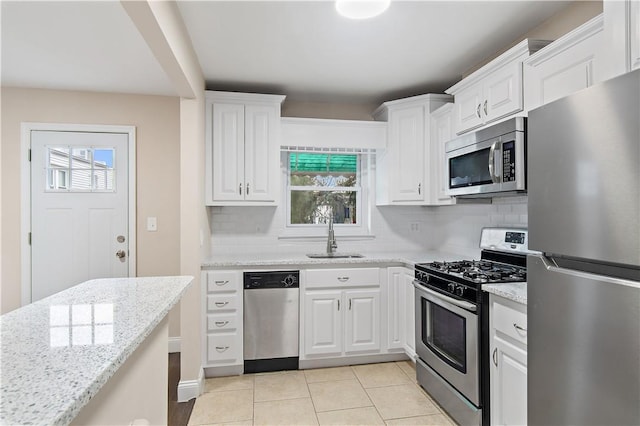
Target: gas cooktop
[[474, 271]]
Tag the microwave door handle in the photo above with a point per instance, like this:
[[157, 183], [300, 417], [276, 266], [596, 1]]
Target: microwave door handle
[[492, 154]]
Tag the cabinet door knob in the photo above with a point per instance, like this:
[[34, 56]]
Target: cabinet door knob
[[495, 356]]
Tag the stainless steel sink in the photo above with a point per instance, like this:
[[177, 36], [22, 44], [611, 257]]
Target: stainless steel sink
[[334, 255]]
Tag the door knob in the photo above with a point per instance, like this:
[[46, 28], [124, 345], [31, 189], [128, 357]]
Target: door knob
[[121, 254], [120, 238]]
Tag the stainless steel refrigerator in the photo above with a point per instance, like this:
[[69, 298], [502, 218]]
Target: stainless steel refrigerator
[[584, 290]]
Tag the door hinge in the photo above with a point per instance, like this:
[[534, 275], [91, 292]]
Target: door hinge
[[29, 238], [29, 155]]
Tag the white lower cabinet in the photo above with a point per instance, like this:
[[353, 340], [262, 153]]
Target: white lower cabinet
[[401, 310], [323, 322], [222, 318], [344, 320], [508, 324]]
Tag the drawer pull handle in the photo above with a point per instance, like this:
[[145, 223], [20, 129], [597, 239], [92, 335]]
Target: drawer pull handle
[[478, 111], [495, 357], [221, 304], [343, 279], [485, 107], [221, 348], [517, 327], [221, 283], [221, 323]]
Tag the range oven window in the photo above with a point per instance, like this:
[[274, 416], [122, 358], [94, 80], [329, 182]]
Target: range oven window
[[444, 333], [470, 169]]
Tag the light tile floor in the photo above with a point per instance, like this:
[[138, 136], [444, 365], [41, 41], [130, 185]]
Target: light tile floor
[[373, 394]]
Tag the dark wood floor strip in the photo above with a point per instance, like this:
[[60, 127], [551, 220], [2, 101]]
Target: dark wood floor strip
[[179, 412]]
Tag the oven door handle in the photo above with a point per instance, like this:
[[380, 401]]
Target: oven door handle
[[459, 303]]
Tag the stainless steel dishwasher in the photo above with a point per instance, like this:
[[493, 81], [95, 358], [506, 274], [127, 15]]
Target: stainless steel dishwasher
[[271, 307]]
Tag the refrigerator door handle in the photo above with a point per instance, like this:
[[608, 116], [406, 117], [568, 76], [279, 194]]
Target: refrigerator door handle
[[551, 265]]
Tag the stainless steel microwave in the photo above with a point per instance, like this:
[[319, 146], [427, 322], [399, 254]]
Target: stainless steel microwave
[[488, 162]]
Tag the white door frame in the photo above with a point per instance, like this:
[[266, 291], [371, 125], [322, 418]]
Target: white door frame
[[25, 180]]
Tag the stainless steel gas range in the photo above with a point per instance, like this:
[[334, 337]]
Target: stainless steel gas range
[[452, 322]]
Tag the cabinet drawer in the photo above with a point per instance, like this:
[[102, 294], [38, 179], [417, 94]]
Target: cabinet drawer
[[222, 302], [223, 281], [345, 277], [224, 348], [510, 320], [228, 322]]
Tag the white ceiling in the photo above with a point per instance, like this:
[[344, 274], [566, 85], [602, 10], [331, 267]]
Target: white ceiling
[[302, 49], [79, 45]]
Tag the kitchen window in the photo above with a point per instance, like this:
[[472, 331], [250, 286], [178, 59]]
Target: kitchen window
[[320, 185]]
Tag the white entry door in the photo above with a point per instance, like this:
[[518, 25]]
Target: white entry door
[[79, 209]]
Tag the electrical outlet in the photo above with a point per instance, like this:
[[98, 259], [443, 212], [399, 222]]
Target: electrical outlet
[[414, 226]]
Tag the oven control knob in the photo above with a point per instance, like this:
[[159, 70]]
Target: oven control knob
[[459, 290], [451, 287]]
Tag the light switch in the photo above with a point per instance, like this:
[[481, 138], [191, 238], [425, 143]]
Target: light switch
[[152, 224]]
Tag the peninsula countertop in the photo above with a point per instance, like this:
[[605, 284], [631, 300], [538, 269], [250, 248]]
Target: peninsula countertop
[[58, 352]]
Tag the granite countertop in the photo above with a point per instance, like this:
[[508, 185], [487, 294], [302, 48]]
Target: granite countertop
[[408, 259], [512, 291], [58, 352]]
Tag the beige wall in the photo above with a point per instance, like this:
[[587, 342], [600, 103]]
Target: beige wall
[[157, 122]]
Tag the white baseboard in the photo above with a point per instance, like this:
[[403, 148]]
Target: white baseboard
[[174, 345], [189, 389]]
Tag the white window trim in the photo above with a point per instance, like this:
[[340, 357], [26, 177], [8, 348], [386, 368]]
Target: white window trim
[[362, 228]]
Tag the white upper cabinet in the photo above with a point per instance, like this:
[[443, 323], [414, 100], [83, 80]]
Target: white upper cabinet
[[403, 169], [441, 133], [242, 148], [571, 63], [494, 91], [621, 37]]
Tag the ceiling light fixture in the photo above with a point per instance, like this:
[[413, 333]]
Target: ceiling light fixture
[[361, 9]]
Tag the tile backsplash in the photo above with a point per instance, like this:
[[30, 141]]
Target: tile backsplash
[[455, 228]]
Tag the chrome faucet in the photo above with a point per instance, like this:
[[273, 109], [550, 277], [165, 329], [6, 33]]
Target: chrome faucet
[[332, 245]]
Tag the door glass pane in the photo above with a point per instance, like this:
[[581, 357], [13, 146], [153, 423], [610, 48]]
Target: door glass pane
[[58, 157], [446, 334], [80, 169]]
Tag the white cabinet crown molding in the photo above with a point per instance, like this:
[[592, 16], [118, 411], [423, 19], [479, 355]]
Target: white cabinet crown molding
[[238, 97], [443, 110], [567, 41], [524, 47], [379, 113]]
